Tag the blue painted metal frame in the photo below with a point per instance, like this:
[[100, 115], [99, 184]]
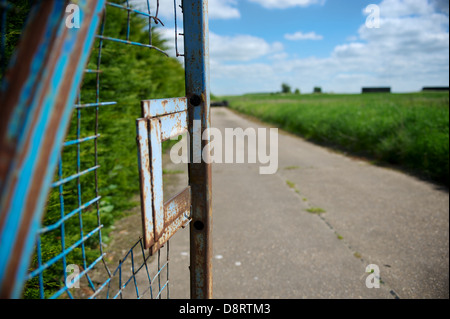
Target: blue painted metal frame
[[196, 44], [163, 119], [40, 90]]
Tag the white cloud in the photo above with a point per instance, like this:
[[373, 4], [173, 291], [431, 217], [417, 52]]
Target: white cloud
[[410, 50], [283, 4], [168, 34], [165, 9], [402, 8], [218, 9], [279, 56], [303, 36], [223, 9], [240, 47]]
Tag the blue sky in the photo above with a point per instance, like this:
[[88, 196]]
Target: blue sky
[[255, 45], [333, 20]]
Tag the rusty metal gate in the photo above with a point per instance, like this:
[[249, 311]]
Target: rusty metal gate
[[41, 101]]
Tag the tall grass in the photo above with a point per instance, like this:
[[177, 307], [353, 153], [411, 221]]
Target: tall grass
[[410, 130]]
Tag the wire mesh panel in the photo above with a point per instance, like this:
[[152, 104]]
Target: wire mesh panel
[[97, 171]]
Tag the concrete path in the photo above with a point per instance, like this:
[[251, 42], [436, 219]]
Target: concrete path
[[267, 245]]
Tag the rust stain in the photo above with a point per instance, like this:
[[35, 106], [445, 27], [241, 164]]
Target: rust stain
[[181, 203]]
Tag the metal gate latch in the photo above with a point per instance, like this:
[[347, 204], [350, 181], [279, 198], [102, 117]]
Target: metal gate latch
[[162, 120]]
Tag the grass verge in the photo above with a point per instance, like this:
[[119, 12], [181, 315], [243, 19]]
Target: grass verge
[[409, 130]]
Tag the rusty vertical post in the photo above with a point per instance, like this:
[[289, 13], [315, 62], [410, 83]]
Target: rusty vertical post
[[197, 90]]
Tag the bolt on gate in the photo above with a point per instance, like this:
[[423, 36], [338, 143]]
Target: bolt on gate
[[42, 102]]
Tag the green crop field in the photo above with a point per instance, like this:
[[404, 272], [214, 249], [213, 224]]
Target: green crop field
[[409, 130]]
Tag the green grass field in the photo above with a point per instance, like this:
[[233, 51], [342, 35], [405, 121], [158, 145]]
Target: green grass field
[[409, 130]]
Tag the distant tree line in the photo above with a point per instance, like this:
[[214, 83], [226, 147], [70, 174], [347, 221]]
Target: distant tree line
[[287, 89]]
